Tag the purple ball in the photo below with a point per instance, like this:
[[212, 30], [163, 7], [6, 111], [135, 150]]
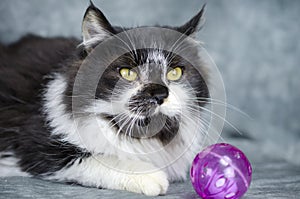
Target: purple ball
[[221, 171]]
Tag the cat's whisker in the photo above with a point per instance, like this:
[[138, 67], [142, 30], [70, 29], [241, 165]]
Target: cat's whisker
[[130, 48], [203, 121], [130, 127], [218, 102], [122, 117], [175, 45], [217, 115], [123, 125], [193, 121], [132, 43], [181, 50], [138, 118]]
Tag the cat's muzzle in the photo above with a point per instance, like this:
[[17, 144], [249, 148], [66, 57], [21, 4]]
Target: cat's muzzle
[[145, 101]]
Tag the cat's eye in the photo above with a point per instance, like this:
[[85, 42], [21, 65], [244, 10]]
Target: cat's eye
[[174, 74], [128, 74]]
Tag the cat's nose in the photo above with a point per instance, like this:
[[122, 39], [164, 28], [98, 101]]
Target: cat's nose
[[157, 92]]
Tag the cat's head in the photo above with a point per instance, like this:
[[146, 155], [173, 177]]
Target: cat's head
[[149, 91]]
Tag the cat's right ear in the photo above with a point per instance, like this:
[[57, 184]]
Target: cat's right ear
[[95, 27], [191, 27]]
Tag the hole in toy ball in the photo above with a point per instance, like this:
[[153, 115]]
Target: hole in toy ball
[[207, 171], [220, 182], [192, 170], [205, 164], [230, 195], [225, 160], [250, 169], [229, 172], [237, 155]]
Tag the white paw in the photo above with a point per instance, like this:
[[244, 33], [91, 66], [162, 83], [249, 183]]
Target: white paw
[[150, 184]]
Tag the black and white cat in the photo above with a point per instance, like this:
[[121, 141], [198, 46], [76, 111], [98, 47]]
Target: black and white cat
[[138, 132]]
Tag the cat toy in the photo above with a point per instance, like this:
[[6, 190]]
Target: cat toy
[[221, 171]]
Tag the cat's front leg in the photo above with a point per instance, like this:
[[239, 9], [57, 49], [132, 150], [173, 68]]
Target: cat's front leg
[[112, 173]]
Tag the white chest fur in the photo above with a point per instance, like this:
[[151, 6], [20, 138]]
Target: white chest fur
[[95, 135]]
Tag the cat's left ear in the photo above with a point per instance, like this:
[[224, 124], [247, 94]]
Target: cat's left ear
[[193, 25], [95, 27]]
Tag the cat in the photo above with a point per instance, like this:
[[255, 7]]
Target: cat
[[110, 141]]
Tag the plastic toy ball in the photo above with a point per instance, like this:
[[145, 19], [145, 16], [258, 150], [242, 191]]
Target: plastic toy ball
[[221, 171]]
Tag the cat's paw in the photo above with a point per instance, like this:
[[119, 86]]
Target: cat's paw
[[150, 184], [154, 184]]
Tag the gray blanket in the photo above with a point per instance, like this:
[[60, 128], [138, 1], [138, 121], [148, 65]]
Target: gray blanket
[[271, 179], [274, 176]]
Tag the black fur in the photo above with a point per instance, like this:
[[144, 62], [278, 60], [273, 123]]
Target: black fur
[[92, 9], [194, 24], [24, 66]]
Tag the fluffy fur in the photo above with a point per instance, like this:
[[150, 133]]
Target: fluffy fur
[[109, 141]]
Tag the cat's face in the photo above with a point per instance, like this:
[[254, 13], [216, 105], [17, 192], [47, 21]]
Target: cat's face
[[149, 91]]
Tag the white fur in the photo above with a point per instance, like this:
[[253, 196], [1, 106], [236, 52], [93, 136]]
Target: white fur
[[55, 110], [160, 61], [108, 172], [157, 57], [9, 165]]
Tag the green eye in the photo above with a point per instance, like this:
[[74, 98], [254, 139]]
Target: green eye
[[128, 74], [174, 74]]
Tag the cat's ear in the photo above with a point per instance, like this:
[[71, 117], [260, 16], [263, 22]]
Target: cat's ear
[[95, 26], [195, 24]]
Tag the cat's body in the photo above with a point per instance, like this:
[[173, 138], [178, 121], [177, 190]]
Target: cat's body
[[39, 135], [25, 67]]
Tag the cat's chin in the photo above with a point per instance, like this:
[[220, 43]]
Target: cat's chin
[[138, 126], [143, 121]]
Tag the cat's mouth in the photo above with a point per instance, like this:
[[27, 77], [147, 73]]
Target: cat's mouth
[[141, 121], [143, 127], [144, 110]]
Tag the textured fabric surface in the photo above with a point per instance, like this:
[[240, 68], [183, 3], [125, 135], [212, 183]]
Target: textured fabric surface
[[270, 180], [255, 44]]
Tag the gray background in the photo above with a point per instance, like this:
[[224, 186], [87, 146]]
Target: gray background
[[255, 44]]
